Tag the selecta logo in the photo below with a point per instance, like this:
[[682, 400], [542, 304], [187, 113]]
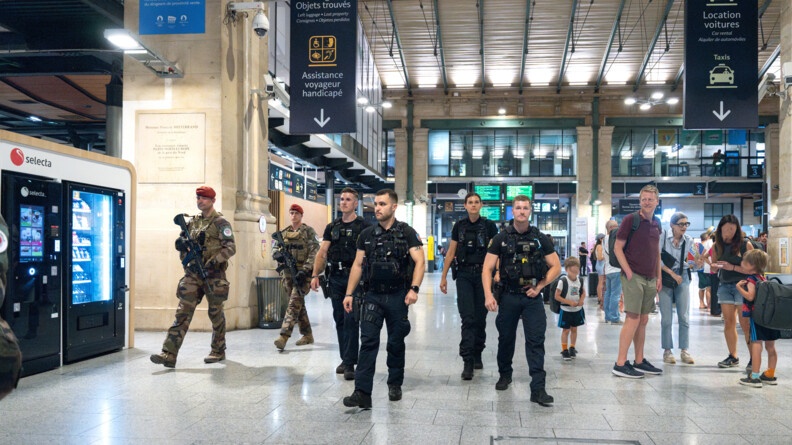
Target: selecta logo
[[18, 158]]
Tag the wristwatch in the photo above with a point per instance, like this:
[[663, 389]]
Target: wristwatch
[[415, 289]]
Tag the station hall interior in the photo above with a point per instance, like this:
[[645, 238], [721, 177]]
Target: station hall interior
[[578, 104]]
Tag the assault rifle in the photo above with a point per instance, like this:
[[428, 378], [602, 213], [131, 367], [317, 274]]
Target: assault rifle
[[193, 252], [287, 261]]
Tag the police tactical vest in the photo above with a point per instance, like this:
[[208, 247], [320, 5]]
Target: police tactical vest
[[522, 258], [343, 242], [297, 243], [472, 244], [388, 260]]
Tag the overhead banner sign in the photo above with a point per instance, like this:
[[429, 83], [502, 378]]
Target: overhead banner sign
[[322, 70], [721, 77], [172, 17]]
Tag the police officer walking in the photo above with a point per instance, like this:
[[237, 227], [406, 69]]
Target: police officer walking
[[214, 232], [393, 271], [300, 240], [335, 257], [528, 263], [469, 240]]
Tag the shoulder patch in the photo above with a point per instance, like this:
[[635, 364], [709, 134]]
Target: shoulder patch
[[227, 232], [3, 242]]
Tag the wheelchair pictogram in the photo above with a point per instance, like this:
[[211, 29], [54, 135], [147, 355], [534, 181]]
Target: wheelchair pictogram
[[322, 50]]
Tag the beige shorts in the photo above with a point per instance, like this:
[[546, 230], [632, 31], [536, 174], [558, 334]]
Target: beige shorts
[[639, 294]]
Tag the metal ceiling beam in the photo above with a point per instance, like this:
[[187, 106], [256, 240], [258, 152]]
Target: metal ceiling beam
[[110, 9], [439, 43], [770, 61], [764, 7], [526, 32], [480, 6], [566, 46], [608, 48], [678, 77], [399, 46], [649, 52]]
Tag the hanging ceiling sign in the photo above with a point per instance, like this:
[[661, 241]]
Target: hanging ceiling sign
[[172, 17]]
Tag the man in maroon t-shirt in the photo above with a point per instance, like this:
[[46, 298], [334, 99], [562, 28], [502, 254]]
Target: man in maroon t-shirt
[[640, 265]]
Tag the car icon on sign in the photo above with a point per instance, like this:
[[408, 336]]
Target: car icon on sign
[[721, 74]]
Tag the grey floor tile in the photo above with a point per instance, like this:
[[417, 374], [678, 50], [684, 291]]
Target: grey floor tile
[[419, 434], [697, 439], [473, 435], [312, 432], [582, 434], [628, 422], [715, 425], [395, 416], [476, 418]]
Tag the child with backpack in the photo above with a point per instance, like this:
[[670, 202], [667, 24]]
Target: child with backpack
[[754, 263], [570, 294]]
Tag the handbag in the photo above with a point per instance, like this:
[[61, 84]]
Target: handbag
[[669, 260]]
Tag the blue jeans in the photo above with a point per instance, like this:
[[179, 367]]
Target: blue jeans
[[378, 309], [613, 289], [511, 309], [680, 296]]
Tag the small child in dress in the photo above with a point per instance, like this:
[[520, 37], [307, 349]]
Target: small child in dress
[[570, 294], [754, 263]]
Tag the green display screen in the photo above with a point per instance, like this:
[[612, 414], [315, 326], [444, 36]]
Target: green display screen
[[514, 190], [492, 213], [488, 192]]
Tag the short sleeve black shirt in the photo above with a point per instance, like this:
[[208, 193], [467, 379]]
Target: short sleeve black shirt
[[498, 243]]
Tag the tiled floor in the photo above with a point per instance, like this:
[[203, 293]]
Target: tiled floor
[[261, 396]]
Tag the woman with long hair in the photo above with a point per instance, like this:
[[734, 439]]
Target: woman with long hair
[[727, 251], [675, 245], [600, 268]]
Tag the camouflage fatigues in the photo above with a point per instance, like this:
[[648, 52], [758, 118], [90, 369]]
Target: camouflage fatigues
[[219, 247], [303, 245], [10, 354]]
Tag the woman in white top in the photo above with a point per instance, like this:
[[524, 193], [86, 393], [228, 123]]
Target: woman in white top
[[676, 244]]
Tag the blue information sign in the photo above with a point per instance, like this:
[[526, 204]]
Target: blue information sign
[[721, 64], [322, 69], [172, 17]]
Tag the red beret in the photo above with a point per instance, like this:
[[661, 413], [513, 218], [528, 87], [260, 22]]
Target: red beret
[[297, 208], [205, 191]]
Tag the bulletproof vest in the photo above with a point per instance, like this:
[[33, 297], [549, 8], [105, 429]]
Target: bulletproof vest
[[522, 258], [472, 244], [297, 243], [388, 259], [207, 232], [343, 241]]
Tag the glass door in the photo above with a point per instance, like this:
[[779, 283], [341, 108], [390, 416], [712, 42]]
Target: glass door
[[92, 241]]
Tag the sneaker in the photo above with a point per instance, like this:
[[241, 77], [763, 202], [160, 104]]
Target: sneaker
[[214, 357], [166, 359], [503, 383], [565, 355], [358, 399], [467, 370], [394, 393], [616, 322], [627, 371], [477, 363], [686, 357], [648, 368], [748, 381], [729, 362], [668, 357], [541, 397], [349, 372], [749, 365], [280, 342], [768, 380], [572, 352], [340, 368], [305, 340]]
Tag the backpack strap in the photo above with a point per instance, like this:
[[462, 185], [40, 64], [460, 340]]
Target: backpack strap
[[566, 285]]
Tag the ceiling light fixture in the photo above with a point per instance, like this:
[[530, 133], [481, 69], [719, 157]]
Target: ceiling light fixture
[[372, 107], [131, 45], [655, 99], [501, 111]]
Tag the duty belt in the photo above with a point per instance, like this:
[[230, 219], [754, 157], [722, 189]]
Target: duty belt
[[470, 267], [338, 266]]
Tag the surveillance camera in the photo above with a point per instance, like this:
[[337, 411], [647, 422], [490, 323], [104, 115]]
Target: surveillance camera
[[260, 24], [766, 86], [269, 85]]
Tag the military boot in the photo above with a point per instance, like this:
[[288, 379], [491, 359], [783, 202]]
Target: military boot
[[280, 342], [467, 371], [358, 399], [166, 359], [214, 357], [305, 340], [477, 363], [349, 372]]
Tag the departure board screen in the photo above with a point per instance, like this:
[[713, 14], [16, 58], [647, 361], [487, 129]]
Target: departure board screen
[[492, 213], [488, 192], [514, 190]]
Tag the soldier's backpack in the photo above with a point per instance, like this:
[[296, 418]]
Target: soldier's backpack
[[612, 260], [10, 359], [555, 305], [773, 305]]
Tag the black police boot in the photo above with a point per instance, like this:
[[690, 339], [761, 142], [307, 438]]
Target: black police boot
[[358, 399], [477, 363], [394, 393], [541, 397], [467, 371], [503, 382], [349, 372]]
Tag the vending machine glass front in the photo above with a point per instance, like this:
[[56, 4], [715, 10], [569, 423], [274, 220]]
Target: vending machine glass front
[[92, 236]]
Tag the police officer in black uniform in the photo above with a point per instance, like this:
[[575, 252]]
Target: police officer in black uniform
[[391, 261], [527, 263], [469, 240], [337, 252]]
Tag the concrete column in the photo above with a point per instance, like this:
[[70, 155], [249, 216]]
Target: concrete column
[[781, 223], [400, 136], [221, 67], [605, 176], [421, 210], [583, 206]]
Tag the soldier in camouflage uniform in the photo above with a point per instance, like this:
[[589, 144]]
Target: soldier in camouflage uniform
[[301, 241], [10, 354], [217, 238]]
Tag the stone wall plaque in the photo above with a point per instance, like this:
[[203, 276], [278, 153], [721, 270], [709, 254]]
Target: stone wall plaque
[[172, 147]]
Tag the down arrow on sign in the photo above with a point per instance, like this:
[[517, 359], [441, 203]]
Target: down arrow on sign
[[322, 121]]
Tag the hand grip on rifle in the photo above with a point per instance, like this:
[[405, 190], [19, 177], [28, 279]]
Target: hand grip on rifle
[[193, 255]]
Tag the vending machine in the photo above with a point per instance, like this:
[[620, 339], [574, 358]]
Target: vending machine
[[94, 284], [32, 207]]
